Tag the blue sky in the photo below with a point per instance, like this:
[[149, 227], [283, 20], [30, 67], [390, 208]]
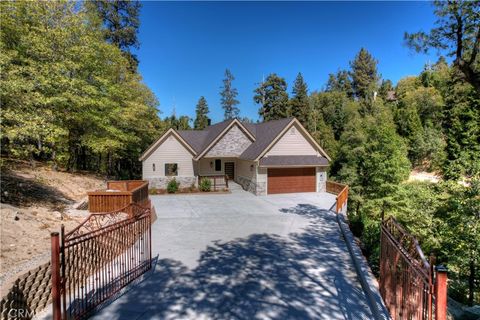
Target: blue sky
[[186, 46]]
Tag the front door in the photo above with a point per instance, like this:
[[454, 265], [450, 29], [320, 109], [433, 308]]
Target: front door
[[230, 170]]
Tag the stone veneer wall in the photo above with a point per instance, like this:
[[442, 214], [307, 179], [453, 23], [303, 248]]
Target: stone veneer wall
[[231, 145], [249, 185], [261, 189], [30, 293], [162, 182], [321, 179]]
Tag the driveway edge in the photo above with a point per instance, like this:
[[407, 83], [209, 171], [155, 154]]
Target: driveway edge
[[367, 279]]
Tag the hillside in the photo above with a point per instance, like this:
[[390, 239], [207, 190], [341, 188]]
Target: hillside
[[35, 201]]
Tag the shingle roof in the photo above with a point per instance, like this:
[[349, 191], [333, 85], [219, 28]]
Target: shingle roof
[[264, 133], [195, 138], [200, 139], [293, 161]]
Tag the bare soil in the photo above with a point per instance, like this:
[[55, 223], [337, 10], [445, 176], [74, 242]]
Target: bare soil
[[424, 176], [35, 201]]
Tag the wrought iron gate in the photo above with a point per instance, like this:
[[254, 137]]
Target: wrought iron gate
[[410, 286], [97, 259]]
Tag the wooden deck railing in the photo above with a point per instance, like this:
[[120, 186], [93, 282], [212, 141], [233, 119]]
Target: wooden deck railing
[[341, 190], [223, 180], [118, 195]]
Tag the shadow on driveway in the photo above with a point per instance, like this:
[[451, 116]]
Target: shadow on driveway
[[307, 275]]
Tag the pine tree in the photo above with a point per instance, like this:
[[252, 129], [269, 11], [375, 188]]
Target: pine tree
[[229, 94], [364, 74], [385, 88], [457, 32], [121, 21], [273, 97], [201, 120], [340, 82], [299, 103]]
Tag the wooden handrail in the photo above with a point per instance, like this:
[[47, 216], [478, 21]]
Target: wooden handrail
[[341, 190]]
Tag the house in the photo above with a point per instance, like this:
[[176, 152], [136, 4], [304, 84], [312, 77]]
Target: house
[[277, 156]]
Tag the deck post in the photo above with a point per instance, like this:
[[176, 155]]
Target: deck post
[[56, 285], [441, 292]]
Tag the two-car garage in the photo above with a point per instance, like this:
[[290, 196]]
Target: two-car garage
[[289, 180]]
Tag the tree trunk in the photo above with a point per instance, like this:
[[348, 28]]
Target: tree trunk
[[471, 281]]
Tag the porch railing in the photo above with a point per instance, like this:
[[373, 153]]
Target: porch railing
[[118, 194], [217, 180], [411, 287], [341, 190]]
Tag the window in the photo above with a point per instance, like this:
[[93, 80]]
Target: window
[[171, 169], [153, 166], [218, 165], [293, 131]]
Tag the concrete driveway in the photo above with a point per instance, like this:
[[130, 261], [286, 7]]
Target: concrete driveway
[[238, 256]]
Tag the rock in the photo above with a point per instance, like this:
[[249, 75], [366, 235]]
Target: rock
[[57, 215]]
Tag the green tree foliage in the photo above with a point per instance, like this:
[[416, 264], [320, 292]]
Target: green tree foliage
[[228, 97], [201, 111], [67, 95], [273, 98], [385, 88], [180, 123], [340, 82], [299, 103], [433, 119], [457, 31], [462, 129], [121, 20], [336, 109], [364, 74], [372, 157]]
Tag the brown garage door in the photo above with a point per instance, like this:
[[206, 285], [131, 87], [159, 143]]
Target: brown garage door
[[288, 180]]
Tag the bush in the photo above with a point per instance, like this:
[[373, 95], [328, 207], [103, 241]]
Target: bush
[[152, 190], [192, 187], [205, 185], [172, 186]]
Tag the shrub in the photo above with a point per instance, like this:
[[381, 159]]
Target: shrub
[[205, 185], [192, 186], [152, 190], [172, 186]]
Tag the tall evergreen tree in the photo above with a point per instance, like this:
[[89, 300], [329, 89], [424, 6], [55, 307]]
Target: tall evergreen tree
[[228, 97], [364, 74], [340, 82], [121, 21], [299, 103], [458, 31], [385, 88], [201, 119], [273, 97]]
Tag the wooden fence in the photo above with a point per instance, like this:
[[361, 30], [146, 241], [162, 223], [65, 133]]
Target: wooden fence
[[341, 190], [118, 194]]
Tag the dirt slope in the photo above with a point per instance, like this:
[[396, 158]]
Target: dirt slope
[[35, 201]]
